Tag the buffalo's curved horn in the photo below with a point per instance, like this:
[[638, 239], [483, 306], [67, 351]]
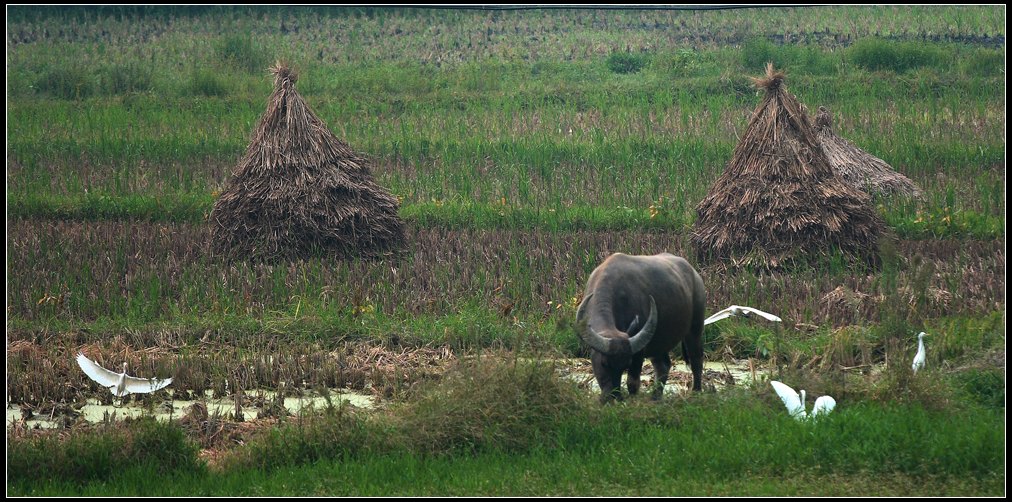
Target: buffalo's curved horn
[[587, 334], [641, 339]]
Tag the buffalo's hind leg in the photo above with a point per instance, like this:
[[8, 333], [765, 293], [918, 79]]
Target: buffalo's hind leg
[[693, 353], [662, 366]]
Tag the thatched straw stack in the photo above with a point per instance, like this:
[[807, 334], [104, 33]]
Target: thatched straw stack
[[779, 200], [300, 190], [861, 169]]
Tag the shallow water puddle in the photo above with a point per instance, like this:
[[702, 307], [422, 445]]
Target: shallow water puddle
[[715, 373], [253, 403]]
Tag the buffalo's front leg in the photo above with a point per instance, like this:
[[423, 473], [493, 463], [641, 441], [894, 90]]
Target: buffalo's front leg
[[633, 381], [662, 366]]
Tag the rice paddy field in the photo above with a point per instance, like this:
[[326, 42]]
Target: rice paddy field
[[524, 146]]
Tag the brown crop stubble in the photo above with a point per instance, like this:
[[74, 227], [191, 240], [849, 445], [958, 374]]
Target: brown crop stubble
[[83, 271]]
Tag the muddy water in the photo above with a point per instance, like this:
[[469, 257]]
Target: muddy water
[[716, 374], [93, 411]]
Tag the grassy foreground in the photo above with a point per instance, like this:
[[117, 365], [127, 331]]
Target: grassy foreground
[[507, 426]]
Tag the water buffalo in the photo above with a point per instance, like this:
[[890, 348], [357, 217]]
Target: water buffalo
[[664, 289]]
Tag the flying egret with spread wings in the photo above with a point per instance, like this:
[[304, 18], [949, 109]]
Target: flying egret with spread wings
[[120, 384], [734, 310], [796, 404], [919, 358]]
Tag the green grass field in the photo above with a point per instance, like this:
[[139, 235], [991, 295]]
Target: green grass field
[[525, 147]]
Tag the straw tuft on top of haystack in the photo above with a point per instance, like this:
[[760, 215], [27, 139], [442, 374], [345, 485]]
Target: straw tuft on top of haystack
[[299, 190], [779, 200], [861, 169]]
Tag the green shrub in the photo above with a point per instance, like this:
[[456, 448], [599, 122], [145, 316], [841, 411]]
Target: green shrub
[[625, 62]]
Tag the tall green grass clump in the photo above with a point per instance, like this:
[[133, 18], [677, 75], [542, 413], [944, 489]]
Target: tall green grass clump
[[205, 82], [66, 81], [95, 456], [877, 54], [984, 63], [985, 386], [243, 52], [485, 404], [118, 79]]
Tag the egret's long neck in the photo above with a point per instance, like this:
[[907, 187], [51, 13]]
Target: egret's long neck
[[802, 400]]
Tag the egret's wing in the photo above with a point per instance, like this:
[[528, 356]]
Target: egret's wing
[[918, 362], [790, 398], [143, 385], [765, 315], [729, 309], [723, 314], [97, 373], [823, 406], [919, 358]]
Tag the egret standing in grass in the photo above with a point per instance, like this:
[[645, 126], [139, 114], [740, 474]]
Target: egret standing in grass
[[796, 404], [734, 310], [919, 358], [120, 384]]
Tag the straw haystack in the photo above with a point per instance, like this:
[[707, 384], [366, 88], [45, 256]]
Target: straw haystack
[[300, 190], [779, 200], [858, 167]]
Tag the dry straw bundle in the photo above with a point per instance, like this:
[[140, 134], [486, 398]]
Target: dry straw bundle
[[300, 190], [861, 169], [779, 200]]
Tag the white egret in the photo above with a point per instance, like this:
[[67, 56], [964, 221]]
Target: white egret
[[120, 384], [734, 310], [919, 358], [796, 404]]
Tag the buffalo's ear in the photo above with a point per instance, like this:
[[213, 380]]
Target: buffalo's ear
[[641, 339]]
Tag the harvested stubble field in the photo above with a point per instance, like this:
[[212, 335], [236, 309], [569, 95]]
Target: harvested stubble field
[[524, 147]]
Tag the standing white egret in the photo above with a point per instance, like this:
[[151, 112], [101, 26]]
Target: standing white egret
[[742, 311], [796, 404], [919, 358], [120, 384]]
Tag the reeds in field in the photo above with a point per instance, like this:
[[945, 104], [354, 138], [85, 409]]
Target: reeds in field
[[137, 273]]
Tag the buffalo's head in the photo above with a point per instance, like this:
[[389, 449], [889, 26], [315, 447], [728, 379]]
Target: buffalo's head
[[615, 351]]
